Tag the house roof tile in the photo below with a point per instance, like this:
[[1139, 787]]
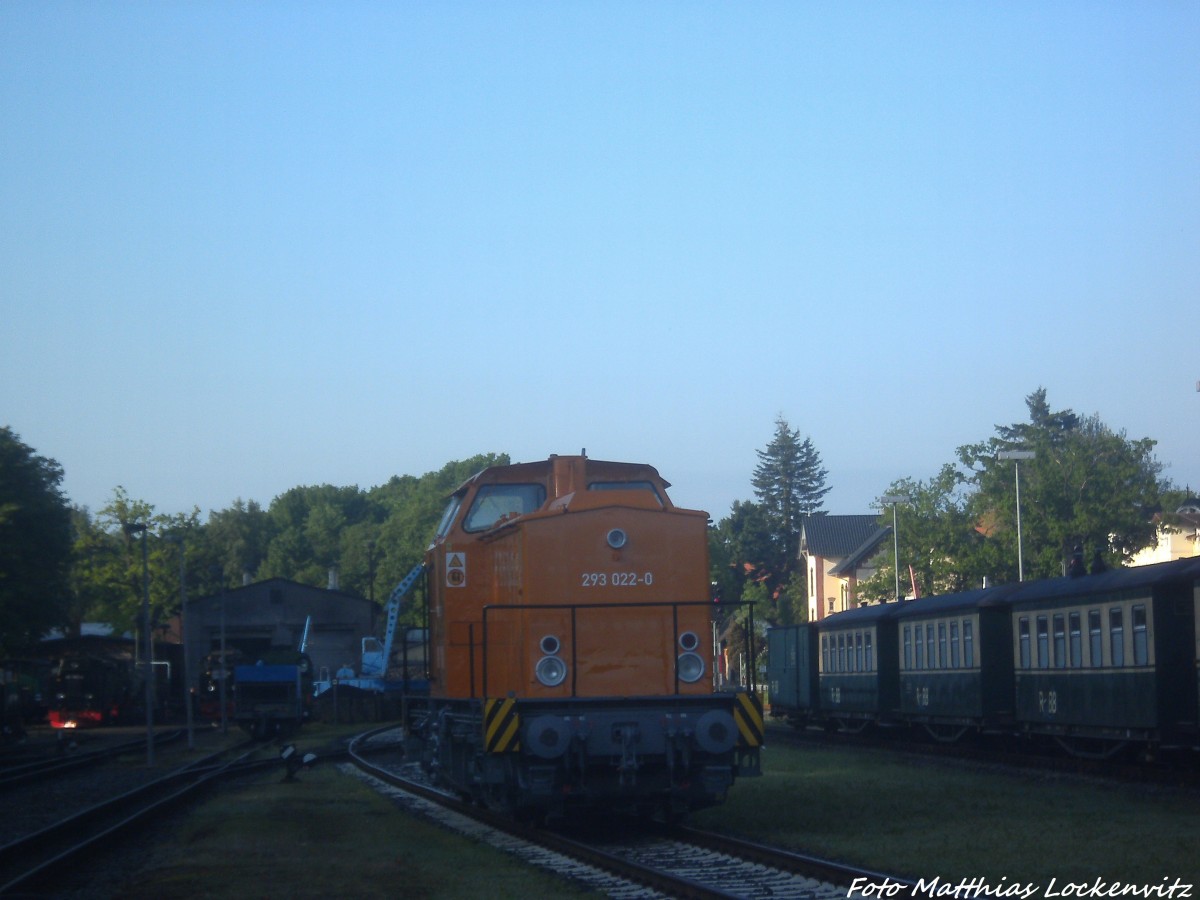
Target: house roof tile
[[836, 537]]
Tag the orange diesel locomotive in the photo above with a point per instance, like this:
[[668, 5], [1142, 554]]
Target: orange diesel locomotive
[[571, 646]]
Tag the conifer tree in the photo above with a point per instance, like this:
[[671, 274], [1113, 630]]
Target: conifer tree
[[789, 483]]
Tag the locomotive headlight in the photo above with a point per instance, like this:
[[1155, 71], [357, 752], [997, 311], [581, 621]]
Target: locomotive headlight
[[550, 645], [691, 667], [617, 538], [689, 641], [550, 671]]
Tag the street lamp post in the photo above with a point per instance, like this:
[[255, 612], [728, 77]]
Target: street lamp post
[[894, 500], [1016, 456], [224, 668], [132, 528], [183, 639]]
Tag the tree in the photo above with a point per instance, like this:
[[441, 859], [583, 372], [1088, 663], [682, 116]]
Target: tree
[[412, 509], [308, 524], [740, 548], [95, 585], [936, 536], [789, 483], [1086, 486], [35, 544], [236, 540]]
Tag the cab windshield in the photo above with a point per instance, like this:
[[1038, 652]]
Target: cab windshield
[[495, 501]]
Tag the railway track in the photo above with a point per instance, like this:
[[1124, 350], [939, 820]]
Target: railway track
[[30, 865], [621, 858], [54, 765]]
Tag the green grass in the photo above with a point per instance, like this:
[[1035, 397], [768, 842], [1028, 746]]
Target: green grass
[[925, 818], [329, 835], [326, 834]]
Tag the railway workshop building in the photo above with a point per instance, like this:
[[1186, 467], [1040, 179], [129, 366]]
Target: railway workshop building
[[272, 615]]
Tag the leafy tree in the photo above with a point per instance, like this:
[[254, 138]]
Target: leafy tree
[[936, 536], [107, 575], [95, 585], [1087, 486], [741, 550], [35, 544], [236, 541], [119, 575], [308, 523], [792, 605], [413, 508]]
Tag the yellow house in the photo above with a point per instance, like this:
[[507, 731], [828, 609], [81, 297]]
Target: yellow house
[[1175, 541], [838, 552]]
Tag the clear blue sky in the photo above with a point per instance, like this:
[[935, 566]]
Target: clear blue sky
[[248, 246]]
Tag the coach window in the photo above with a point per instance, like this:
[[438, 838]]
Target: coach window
[[842, 652], [918, 650], [954, 645], [1076, 642], [495, 501], [968, 645], [908, 660], [1141, 649], [930, 657], [1095, 639], [870, 655], [1043, 642], [1023, 630], [824, 653], [858, 652], [1116, 632], [1060, 641], [942, 656]]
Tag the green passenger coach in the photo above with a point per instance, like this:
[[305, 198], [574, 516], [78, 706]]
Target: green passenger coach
[[1093, 662], [1097, 658], [955, 671]]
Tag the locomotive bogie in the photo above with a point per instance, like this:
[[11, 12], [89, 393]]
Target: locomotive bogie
[[549, 758]]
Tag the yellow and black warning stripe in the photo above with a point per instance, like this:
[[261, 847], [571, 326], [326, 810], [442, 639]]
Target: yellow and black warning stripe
[[501, 726], [748, 714]]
